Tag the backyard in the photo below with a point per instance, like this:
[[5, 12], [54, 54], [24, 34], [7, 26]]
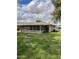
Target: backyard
[[39, 46]]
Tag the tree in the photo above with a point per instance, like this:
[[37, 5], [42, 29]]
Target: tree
[[57, 12]]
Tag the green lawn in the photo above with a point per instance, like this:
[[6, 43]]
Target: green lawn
[[39, 46]]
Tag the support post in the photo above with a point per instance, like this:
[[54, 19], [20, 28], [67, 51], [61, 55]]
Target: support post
[[50, 28], [40, 29]]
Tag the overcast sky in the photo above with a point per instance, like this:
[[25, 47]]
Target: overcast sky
[[32, 10]]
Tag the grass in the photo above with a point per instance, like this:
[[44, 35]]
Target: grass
[[39, 46]]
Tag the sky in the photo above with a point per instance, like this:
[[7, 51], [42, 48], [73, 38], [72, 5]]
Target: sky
[[32, 10], [23, 2]]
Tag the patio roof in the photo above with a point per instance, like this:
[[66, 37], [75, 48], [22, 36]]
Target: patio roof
[[32, 23]]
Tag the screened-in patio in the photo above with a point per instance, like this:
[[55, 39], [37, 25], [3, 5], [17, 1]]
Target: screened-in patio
[[33, 27]]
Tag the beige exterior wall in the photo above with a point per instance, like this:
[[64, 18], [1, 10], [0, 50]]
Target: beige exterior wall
[[50, 28]]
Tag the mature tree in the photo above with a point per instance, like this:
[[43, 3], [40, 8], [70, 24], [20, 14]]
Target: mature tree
[[57, 12]]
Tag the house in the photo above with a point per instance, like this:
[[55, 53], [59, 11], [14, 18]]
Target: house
[[34, 27]]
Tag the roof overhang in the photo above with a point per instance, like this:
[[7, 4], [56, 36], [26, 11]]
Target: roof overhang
[[32, 23]]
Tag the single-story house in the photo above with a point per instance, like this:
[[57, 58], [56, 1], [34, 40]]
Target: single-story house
[[34, 27]]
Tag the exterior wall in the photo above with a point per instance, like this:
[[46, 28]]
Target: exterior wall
[[50, 28]]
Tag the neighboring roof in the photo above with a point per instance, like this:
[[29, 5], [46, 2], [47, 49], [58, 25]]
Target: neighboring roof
[[33, 23]]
